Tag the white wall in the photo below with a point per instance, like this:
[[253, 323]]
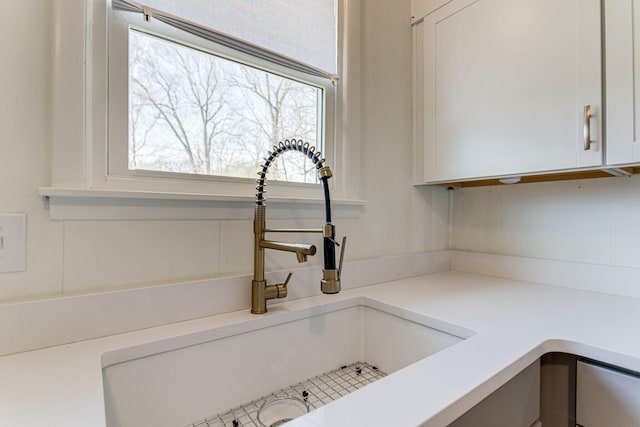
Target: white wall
[[401, 218], [593, 221], [77, 257], [25, 123]]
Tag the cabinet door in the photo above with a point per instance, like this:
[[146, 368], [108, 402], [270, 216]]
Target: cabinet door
[[515, 404], [505, 85], [606, 398], [622, 20]]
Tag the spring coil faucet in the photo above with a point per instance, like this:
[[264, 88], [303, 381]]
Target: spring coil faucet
[[330, 283]]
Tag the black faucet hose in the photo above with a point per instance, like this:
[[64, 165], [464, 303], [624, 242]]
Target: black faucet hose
[[327, 199], [329, 241]]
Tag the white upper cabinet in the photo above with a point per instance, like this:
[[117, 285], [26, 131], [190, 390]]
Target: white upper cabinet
[[622, 37], [502, 87]]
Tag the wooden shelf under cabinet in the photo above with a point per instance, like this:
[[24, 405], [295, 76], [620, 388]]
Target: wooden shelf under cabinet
[[556, 176]]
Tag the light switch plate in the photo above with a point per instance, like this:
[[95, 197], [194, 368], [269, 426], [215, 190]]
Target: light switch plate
[[13, 231]]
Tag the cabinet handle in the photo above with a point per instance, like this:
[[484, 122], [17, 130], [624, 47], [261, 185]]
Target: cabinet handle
[[587, 127]]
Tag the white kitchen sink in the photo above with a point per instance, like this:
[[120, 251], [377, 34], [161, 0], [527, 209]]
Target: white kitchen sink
[[179, 381]]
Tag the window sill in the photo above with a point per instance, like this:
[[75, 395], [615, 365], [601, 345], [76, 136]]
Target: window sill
[[85, 204]]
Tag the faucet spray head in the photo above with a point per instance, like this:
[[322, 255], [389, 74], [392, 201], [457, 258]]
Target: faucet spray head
[[330, 283]]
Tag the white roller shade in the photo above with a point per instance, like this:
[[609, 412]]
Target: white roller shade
[[298, 34]]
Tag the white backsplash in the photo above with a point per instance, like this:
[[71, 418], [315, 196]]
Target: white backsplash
[[606, 279], [590, 221], [54, 321]]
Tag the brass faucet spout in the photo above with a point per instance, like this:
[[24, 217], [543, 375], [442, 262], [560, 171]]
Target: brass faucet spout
[[301, 250]]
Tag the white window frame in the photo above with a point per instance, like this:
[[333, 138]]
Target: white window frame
[[111, 171]]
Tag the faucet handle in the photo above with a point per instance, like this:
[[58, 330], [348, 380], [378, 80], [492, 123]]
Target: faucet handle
[[344, 244], [286, 281], [281, 289]]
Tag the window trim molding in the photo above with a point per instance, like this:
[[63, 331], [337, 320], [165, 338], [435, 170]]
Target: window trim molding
[[117, 173], [80, 204]]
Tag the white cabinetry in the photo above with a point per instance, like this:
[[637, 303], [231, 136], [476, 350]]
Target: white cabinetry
[[622, 36], [502, 87], [606, 398]]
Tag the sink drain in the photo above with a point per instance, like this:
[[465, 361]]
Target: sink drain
[[279, 410]]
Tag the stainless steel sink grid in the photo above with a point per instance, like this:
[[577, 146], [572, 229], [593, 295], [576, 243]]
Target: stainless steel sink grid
[[316, 391]]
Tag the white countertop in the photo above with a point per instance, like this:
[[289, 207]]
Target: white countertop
[[515, 323]]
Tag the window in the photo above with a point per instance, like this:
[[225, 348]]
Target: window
[[92, 177], [196, 113], [196, 107]]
